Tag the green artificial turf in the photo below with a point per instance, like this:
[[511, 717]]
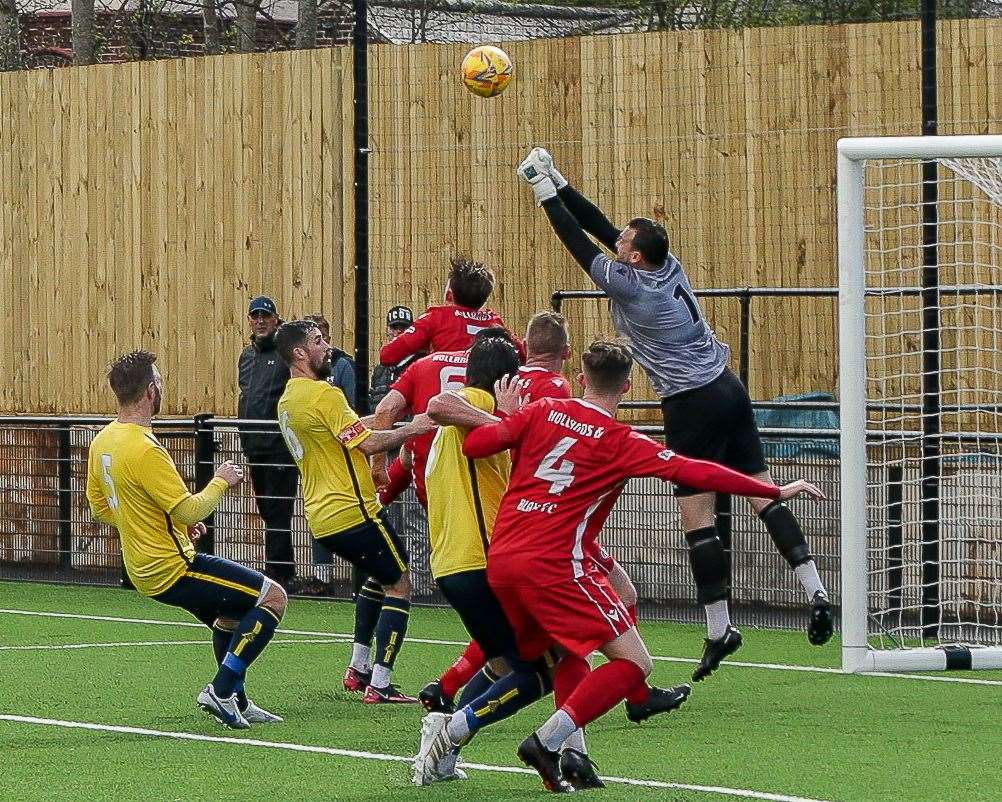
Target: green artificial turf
[[816, 735]]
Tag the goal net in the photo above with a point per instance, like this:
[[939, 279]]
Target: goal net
[[920, 304]]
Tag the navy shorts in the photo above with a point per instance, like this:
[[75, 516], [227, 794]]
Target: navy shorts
[[213, 587], [373, 547], [471, 596], [716, 423]]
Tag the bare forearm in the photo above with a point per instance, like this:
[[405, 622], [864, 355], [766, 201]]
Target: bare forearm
[[449, 409], [382, 441]]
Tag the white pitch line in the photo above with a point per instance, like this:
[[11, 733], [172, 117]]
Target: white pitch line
[[43, 647], [436, 642], [327, 750]]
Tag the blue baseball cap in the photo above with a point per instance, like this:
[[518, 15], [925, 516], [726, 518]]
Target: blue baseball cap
[[262, 304]]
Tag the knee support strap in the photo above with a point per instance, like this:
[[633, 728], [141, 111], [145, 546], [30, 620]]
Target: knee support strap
[[708, 561], [785, 531]]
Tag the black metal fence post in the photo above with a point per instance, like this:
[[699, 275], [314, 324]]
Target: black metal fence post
[[360, 74], [744, 354], [65, 478], [205, 450]]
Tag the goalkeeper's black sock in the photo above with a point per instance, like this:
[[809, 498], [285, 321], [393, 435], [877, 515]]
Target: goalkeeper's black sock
[[789, 538], [708, 561]]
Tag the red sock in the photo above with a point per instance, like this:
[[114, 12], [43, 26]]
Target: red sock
[[602, 690], [639, 695], [632, 610], [463, 670], [571, 672]]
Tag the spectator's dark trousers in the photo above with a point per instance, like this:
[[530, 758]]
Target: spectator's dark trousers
[[275, 482]]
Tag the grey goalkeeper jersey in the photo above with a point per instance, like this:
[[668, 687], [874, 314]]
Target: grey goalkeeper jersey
[[657, 312]]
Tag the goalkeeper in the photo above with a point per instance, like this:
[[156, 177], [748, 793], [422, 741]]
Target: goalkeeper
[[707, 411]]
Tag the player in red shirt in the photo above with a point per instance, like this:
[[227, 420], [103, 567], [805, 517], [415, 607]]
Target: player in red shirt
[[409, 395], [547, 345], [452, 326], [574, 459], [547, 341]]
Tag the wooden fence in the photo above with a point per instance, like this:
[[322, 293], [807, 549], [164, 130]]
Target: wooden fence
[[142, 205]]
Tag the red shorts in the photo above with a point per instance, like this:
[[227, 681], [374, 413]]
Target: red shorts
[[579, 614], [602, 559]]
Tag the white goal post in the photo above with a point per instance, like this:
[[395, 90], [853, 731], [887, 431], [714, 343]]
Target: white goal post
[[920, 395]]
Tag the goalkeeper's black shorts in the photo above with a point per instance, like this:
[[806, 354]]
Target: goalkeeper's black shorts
[[714, 422]]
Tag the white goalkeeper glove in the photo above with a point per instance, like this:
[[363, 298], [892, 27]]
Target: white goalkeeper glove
[[545, 165], [542, 185]]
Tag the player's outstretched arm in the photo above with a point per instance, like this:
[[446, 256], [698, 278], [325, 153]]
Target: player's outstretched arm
[[394, 438], [566, 226], [199, 506], [589, 216], [451, 409], [571, 234], [392, 408], [584, 211], [642, 456], [485, 441], [705, 475]]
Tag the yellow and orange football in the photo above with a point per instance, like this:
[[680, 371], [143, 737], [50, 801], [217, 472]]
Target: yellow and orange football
[[487, 70]]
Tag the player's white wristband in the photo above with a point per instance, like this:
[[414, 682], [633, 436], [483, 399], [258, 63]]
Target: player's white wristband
[[558, 180], [544, 189]]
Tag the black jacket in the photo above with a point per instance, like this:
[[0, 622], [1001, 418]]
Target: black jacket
[[383, 378], [263, 376]]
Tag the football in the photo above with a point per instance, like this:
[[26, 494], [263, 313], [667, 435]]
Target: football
[[487, 71]]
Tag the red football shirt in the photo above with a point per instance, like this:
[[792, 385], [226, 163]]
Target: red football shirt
[[543, 383], [421, 382], [573, 460], [441, 328]]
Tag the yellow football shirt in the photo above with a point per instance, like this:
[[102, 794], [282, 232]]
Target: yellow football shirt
[[323, 434], [133, 480], [463, 496]]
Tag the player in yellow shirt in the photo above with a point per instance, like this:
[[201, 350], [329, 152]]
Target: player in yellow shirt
[[133, 484], [463, 499], [331, 447]]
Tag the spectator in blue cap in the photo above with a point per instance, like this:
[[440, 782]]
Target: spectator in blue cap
[[263, 375]]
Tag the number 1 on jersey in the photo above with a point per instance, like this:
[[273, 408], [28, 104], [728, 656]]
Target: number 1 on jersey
[[559, 476], [680, 294]]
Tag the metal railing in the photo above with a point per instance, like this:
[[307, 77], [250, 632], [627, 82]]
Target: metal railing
[[46, 533]]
